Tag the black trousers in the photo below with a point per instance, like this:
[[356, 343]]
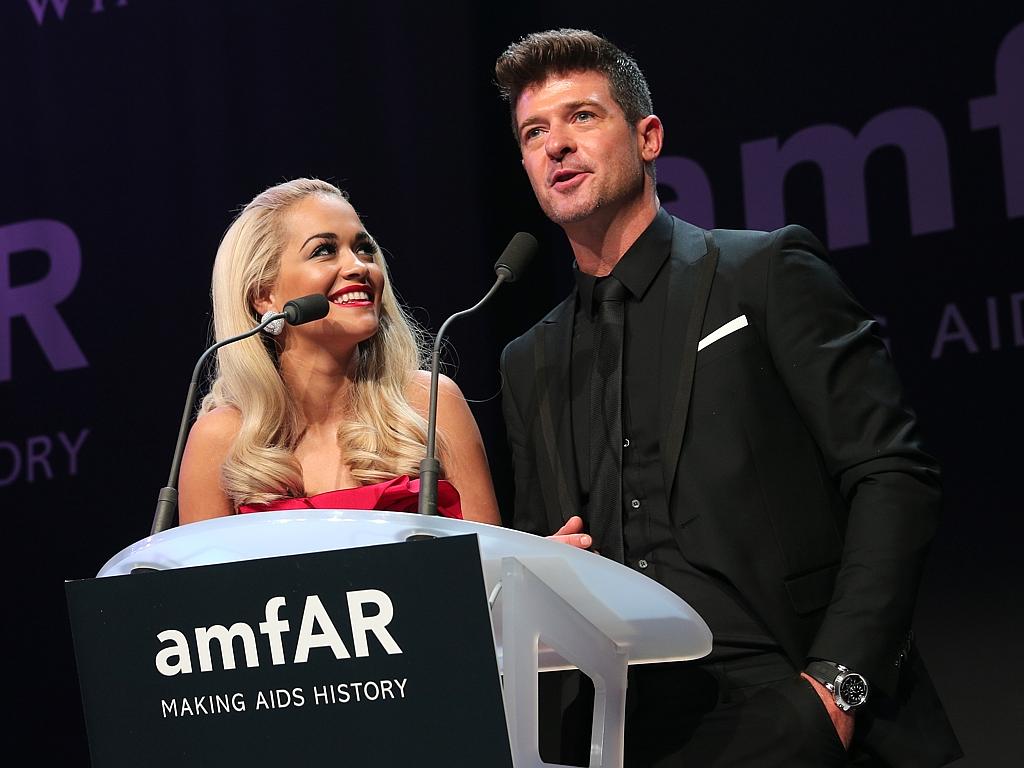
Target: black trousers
[[752, 712]]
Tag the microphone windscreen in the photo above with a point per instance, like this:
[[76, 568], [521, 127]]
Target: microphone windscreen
[[516, 256], [306, 309]]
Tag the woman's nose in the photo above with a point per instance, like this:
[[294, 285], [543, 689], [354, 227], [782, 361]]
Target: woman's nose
[[353, 267]]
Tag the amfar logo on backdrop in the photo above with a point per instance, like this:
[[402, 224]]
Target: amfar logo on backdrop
[[37, 301], [60, 7], [55, 243], [840, 156], [317, 630], [176, 659]]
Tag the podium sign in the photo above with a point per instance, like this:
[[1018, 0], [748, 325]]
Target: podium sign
[[379, 655]]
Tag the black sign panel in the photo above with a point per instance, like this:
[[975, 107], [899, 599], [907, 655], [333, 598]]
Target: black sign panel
[[378, 655]]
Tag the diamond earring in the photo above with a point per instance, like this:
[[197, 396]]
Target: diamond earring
[[275, 328]]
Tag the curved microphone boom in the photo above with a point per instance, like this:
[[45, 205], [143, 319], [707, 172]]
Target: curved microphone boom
[[509, 267], [305, 309]]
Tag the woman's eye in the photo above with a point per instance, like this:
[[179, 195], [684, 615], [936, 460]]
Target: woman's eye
[[326, 249], [368, 248]]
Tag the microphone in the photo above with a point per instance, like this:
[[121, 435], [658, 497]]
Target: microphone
[[509, 267], [296, 312], [515, 258], [304, 309]]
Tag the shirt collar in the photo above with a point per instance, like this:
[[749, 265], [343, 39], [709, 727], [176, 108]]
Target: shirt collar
[[640, 263]]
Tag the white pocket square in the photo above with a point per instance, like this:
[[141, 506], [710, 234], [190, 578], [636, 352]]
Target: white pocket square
[[730, 327]]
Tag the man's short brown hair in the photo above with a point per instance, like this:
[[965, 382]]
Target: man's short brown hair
[[536, 57]]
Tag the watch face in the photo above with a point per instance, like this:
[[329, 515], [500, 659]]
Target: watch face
[[853, 689]]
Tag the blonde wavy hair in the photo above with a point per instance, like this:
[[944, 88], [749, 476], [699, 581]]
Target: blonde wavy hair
[[383, 438]]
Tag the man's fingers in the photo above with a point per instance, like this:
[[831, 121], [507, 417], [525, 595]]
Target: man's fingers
[[573, 525], [581, 540], [572, 533]]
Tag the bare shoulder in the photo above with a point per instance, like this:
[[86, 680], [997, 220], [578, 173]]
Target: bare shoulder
[[465, 460], [211, 438], [418, 390], [209, 442], [217, 427], [446, 386]]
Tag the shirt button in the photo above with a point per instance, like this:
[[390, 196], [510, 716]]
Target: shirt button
[[642, 563], [635, 503], [625, 443]]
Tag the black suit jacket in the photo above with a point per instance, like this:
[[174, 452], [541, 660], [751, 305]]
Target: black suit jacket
[[794, 471]]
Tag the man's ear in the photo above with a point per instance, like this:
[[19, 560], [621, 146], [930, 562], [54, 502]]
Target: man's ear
[[650, 135]]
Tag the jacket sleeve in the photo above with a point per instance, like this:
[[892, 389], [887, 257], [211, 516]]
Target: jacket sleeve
[[843, 383], [529, 508]]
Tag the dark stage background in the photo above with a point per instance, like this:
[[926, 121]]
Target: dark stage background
[[131, 131]]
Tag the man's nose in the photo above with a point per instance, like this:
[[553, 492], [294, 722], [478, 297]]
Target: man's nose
[[559, 142]]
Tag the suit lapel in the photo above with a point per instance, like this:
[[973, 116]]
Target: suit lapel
[[692, 264], [553, 356]]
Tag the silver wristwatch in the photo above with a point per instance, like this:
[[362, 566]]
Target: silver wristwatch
[[849, 689]]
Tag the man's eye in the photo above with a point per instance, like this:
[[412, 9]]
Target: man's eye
[[532, 133], [584, 117]]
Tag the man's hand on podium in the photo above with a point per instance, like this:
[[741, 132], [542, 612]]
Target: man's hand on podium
[[572, 534]]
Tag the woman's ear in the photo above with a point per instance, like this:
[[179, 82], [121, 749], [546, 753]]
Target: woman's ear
[[264, 304]]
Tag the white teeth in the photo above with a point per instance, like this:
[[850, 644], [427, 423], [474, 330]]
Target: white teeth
[[353, 296]]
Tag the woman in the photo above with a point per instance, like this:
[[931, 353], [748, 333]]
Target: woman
[[339, 403]]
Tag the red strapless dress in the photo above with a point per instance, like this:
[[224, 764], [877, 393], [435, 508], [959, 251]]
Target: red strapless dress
[[398, 495]]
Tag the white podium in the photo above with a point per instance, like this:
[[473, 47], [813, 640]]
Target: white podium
[[552, 606]]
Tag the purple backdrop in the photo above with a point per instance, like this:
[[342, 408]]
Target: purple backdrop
[[133, 129]]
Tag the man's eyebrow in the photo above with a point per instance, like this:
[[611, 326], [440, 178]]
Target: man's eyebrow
[[531, 120], [572, 106], [322, 235], [569, 106]]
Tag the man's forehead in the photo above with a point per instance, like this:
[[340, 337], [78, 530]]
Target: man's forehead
[[564, 87], [558, 82]]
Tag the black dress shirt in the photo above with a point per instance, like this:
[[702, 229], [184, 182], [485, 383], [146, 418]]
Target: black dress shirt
[[649, 544]]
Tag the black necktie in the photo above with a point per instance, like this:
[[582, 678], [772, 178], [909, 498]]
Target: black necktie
[[605, 505]]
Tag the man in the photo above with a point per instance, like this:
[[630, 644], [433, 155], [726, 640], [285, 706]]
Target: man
[[716, 411]]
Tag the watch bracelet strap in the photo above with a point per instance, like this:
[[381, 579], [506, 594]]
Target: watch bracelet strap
[[825, 672]]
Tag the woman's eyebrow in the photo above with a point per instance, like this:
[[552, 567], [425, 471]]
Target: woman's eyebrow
[[324, 235]]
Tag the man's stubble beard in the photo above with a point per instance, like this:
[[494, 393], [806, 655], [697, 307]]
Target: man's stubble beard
[[585, 209]]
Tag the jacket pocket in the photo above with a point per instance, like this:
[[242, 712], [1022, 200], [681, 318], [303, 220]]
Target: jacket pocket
[[811, 591], [726, 346]]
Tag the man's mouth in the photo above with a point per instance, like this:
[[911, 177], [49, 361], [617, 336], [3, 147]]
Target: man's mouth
[[565, 178]]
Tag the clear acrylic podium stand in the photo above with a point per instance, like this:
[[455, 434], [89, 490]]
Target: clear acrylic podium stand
[[552, 606]]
